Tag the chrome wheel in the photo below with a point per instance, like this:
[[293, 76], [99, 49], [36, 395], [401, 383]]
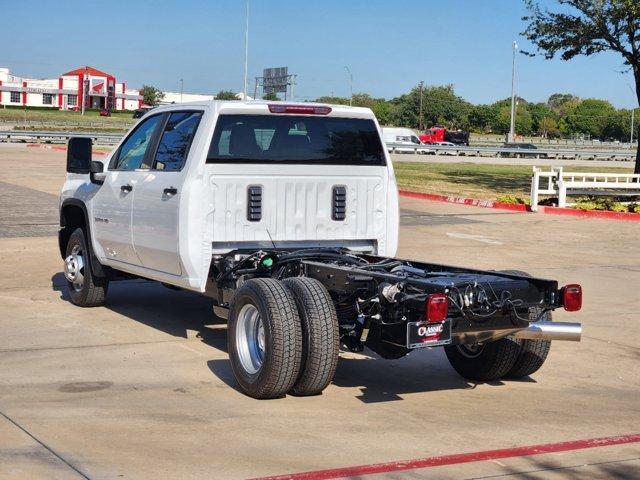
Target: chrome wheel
[[470, 351], [250, 339], [74, 268]]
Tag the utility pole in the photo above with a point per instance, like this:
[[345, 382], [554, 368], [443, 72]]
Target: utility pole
[[84, 89], [181, 89], [420, 122], [512, 128], [350, 85], [246, 51]]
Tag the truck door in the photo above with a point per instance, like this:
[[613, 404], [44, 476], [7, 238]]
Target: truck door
[[156, 204], [112, 205]]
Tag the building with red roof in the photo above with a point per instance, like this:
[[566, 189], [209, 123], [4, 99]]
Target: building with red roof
[[95, 88]]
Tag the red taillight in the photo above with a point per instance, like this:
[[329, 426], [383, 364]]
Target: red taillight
[[572, 297], [299, 109], [436, 307]]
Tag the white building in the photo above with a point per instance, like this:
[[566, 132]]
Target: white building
[[98, 89]]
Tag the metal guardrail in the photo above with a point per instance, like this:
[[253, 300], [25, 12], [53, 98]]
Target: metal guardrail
[[554, 153], [58, 137], [561, 183]]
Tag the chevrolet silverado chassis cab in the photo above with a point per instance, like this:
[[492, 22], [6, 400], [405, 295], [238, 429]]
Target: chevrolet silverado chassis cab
[[286, 215]]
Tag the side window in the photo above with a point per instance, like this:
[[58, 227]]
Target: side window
[[176, 139], [132, 152]]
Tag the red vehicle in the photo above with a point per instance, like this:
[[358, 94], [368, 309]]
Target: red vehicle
[[105, 112], [441, 134]]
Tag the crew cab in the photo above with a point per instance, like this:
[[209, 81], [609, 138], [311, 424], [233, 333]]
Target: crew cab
[[286, 215]]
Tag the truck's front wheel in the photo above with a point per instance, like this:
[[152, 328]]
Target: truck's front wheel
[[484, 362], [85, 288], [264, 338]]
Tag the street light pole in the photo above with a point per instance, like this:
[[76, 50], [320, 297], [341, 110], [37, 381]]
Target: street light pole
[[512, 126], [633, 113], [246, 51], [350, 85], [420, 123]]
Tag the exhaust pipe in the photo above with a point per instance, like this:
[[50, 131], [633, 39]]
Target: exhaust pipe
[[569, 332]]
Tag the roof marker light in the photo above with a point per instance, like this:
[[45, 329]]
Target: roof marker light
[[299, 109]]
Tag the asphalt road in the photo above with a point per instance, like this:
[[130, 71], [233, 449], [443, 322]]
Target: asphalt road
[[141, 388]]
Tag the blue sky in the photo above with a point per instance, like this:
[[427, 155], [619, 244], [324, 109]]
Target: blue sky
[[388, 45]]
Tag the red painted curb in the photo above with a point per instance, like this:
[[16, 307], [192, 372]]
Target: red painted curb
[[591, 213], [603, 214], [458, 458], [59, 148], [465, 201]]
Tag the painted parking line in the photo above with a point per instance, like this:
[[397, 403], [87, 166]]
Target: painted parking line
[[440, 461]]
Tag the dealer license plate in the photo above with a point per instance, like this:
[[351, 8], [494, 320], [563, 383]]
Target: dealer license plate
[[423, 334]]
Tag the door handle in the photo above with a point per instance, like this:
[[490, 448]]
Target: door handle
[[171, 191], [126, 188]]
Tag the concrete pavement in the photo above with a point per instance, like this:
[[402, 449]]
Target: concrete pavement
[[141, 388]]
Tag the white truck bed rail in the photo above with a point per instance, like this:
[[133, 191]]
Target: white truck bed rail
[[561, 183]]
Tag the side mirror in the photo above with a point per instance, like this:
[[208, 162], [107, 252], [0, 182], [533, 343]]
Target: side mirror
[[79, 151], [96, 167], [96, 172]]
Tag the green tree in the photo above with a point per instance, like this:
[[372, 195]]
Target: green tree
[[524, 122], [270, 96], [588, 27], [548, 128], [151, 95], [226, 95], [333, 100], [539, 111], [590, 117], [557, 100], [618, 126], [440, 106], [482, 117]]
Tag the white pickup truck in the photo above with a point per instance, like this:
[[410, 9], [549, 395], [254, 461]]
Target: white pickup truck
[[286, 215]]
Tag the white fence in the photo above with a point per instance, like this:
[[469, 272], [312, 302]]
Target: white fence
[[561, 184]]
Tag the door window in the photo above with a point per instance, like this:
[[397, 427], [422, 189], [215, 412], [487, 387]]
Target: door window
[[132, 153], [176, 139]]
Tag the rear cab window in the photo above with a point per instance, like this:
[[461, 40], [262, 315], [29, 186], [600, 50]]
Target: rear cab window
[[296, 139]]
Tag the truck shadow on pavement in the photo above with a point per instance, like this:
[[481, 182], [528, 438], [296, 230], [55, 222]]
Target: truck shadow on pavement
[[176, 313]]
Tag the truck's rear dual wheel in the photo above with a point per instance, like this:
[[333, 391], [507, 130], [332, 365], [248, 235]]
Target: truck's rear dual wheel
[[264, 338], [85, 288], [533, 353], [484, 362], [320, 335]]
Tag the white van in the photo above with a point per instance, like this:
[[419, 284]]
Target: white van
[[393, 136]]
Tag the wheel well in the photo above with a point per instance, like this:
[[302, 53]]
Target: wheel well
[[71, 217]]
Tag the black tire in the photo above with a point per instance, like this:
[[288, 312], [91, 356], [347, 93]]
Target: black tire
[[92, 290], [282, 352], [320, 335], [533, 353], [490, 361]]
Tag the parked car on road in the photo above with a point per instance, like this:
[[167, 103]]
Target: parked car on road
[[449, 148], [521, 150]]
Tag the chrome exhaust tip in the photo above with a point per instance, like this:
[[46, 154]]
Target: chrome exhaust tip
[[569, 332]]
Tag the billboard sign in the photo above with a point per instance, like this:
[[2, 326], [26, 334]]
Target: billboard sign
[[275, 80]]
